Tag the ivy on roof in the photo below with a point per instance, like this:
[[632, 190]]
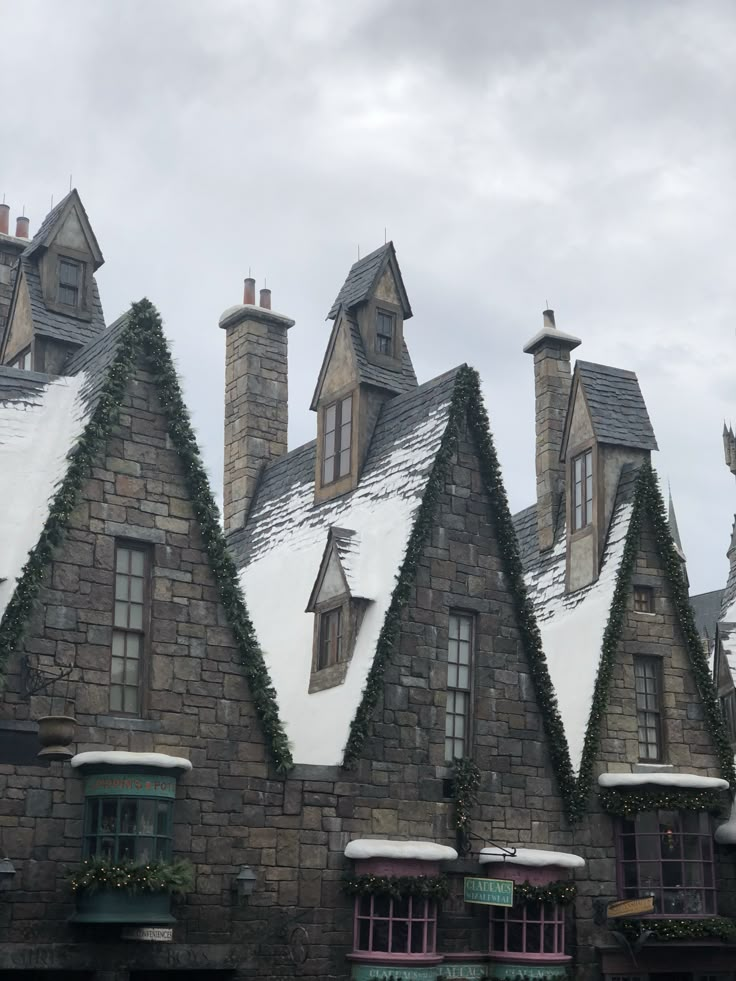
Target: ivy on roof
[[467, 403], [143, 333], [649, 504]]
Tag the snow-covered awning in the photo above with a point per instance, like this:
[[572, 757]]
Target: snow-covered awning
[[531, 857], [119, 758], [423, 851], [693, 781]]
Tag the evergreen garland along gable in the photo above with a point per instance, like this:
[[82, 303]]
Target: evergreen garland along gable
[[648, 503], [143, 333], [467, 403]]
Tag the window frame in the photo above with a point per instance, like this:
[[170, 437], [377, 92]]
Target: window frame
[[727, 704], [550, 915], [586, 505], [644, 590], [95, 806], [142, 632], [77, 287], [340, 430], [706, 861], [325, 618], [428, 920], [384, 315], [22, 356], [643, 713], [453, 691]]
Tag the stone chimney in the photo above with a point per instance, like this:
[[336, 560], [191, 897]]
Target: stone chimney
[[256, 398], [552, 378]]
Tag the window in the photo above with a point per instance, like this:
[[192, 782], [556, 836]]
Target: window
[[534, 928], [129, 624], [385, 332], [459, 663], [330, 638], [395, 926], [70, 281], [337, 433], [668, 855], [643, 599], [728, 709], [582, 497], [648, 710], [22, 360], [128, 829]]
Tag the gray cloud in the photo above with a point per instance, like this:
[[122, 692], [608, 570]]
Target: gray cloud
[[576, 153]]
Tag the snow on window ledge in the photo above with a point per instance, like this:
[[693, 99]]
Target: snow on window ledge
[[688, 780], [423, 851], [530, 857], [119, 758]]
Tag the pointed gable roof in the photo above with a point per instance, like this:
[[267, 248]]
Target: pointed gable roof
[[363, 277], [344, 545], [617, 410], [55, 219]]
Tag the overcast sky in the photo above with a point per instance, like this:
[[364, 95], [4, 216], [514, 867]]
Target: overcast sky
[[580, 154]]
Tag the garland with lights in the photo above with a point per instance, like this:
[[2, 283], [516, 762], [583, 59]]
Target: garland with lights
[[141, 331], [435, 887], [648, 504], [465, 784], [98, 875], [713, 927], [467, 404], [561, 893], [625, 803]]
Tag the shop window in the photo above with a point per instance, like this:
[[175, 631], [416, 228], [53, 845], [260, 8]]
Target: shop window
[[668, 855], [128, 829], [384, 925], [532, 928]]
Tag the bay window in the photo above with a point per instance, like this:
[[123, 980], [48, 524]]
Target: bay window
[[386, 925], [530, 928]]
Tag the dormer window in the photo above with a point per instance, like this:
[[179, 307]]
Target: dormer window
[[582, 490], [338, 424], [70, 282], [385, 331], [330, 638]]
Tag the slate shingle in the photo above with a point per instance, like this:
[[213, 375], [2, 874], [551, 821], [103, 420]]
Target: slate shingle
[[618, 413], [362, 278]]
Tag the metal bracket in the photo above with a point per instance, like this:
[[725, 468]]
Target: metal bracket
[[33, 680]]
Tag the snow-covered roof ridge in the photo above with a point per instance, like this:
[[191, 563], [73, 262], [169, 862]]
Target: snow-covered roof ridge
[[693, 781], [531, 857], [284, 542], [122, 758], [423, 851]]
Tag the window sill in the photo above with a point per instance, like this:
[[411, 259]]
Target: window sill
[[329, 677], [128, 722], [381, 956], [515, 957]]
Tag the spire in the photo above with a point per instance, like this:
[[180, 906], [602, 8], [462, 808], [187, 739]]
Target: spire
[[729, 448]]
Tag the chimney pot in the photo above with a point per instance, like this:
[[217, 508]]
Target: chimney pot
[[249, 291], [4, 218], [21, 226], [548, 318], [266, 298]]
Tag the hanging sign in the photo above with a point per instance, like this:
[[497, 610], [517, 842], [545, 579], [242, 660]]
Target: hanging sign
[[490, 892], [631, 907], [160, 934]]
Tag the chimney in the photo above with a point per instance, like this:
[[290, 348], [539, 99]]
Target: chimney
[[552, 379], [4, 218], [21, 226], [256, 398], [249, 291]]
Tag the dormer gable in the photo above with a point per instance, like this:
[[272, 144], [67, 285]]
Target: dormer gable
[[607, 427]]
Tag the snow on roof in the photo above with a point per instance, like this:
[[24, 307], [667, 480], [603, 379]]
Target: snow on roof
[[532, 857], [425, 851], [572, 624], [120, 758], [40, 421], [284, 542], [690, 780]]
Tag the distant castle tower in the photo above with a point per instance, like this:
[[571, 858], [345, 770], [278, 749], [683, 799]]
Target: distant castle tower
[[729, 448]]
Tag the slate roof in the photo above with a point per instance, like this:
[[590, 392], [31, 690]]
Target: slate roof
[[375, 374], [707, 608], [362, 278], [617, 410], [281, 548], [60, 326], [46, 229]]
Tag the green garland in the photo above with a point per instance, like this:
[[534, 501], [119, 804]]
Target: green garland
[[467, 403], [714, 927], [648, 503], [562, 892], [465, 784], [142, 332], [397, 887], [96, 875], [625, 803]]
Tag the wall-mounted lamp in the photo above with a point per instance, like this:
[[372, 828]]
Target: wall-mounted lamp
[[244, 882], [7, 874]]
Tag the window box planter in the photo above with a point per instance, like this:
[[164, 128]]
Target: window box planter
[[106, 906]]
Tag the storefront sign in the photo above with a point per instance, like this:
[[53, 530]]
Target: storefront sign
[[462, 970], [381, 972], [129, 785], [160, 934], [631, 907], [490, 892], [513, 971]]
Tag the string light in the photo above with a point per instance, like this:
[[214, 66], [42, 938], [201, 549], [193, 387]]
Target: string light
[[176, 877]]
